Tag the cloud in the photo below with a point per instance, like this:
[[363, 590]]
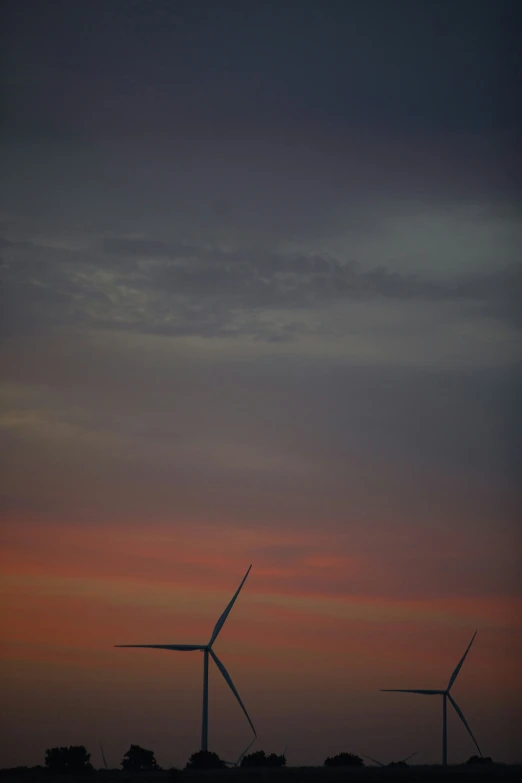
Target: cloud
[[180, 289], [123, 427], [143, 248]]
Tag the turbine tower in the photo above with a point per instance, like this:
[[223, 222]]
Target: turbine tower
[[445, 696], [207, 651]]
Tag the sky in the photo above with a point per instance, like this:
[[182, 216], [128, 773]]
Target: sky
[[260, 303]]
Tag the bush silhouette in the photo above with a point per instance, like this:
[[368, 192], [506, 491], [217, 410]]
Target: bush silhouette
[[260, 759], [344, 760], [72, 760], [139, 760], [480, 760], [205, 759], [273, 760]]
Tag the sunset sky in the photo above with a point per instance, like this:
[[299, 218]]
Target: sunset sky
[[260, 303]]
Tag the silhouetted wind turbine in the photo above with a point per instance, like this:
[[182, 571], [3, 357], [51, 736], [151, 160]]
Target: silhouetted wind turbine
[[445, 696], [207, 651]]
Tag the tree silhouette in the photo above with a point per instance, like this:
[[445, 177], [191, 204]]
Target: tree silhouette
[[256, 759], [480, 760], [273, 760], [344, 760], [139, 760], [260, 759], [72, 760], [205, 759]]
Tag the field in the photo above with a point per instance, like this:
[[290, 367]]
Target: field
[[462, 773]]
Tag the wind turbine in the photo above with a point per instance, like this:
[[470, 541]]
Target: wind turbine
[[400, 761], [207, 651], [240, 758], [445, 696]]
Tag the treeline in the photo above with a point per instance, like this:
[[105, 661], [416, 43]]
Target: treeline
[[75, 761]]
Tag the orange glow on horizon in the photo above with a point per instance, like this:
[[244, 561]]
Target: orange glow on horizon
[[71, 593]]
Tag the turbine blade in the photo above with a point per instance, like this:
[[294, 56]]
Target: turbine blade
[[103, 757], [225, 614], [179, 647], [410, 756], [238, 762], [426, 693], [463, 719], [459, 665], [232, 687], [374, 760]]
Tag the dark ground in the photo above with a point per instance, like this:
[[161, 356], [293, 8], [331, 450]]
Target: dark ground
[[462, 773]]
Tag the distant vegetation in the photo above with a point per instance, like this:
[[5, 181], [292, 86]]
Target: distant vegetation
[[205, 759], [139, 764], [344, 760], [260, 759], [138, 759], [73, 760]]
